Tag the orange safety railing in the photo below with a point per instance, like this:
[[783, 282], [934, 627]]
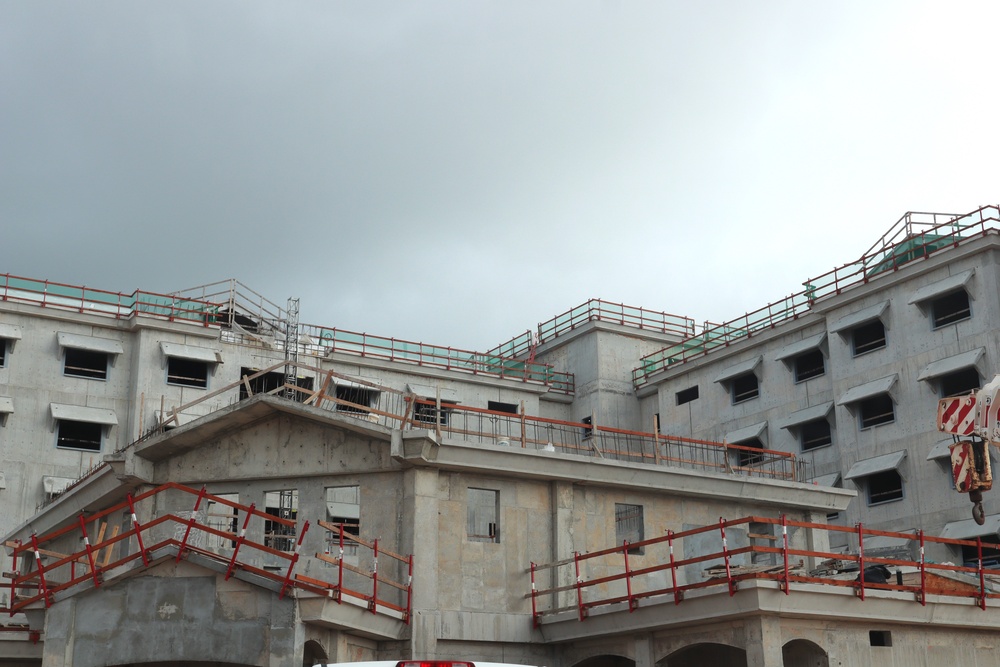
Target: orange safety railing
[[914, 236], [54, 563], [632, 573]]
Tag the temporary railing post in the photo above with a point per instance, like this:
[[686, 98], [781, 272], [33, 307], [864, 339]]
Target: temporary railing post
[[534, 594], [673, 568], [90, 551], [579, 586], [982, 575], [409, 588], [340, 565], [861, 562], [784, 548], [42, 588], [294, 560], [137, 527], [923, 572], [725, 556], [191, 522], [632, 603], [374, 602], [239, 542]]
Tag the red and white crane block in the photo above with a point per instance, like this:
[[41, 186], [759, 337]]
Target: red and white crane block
[[957, 414]]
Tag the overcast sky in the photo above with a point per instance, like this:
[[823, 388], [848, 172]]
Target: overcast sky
[[456, 172]]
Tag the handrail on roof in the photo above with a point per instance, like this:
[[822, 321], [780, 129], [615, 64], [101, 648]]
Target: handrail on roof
[[914, 236]]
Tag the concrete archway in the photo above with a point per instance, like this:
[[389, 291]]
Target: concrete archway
[[803, 653], [314, 654], [700, 655], [606, 661]]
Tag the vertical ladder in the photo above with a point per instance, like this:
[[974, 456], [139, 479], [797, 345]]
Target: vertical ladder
[[291, 348]]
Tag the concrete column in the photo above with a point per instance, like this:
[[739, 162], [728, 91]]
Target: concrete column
[[562, 535], [419, 513], [644, 656], [763, 642]]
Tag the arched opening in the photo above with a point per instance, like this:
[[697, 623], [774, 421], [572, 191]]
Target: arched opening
[[700, 655], [803, 653], [313, 654], [606, 661]]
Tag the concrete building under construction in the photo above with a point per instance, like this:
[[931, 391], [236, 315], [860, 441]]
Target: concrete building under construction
[[200, 479]]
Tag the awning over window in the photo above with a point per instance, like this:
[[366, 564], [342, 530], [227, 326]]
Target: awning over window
[[859, 317], [867, 390], [55, 485], [78, 413], [877, 464], [942, 287], [426, 391], [804, 345], [744, 434], [821, 411], [341, 382], [748, 366], [89, 343], [6, 405], [343, 510], [967, 528], [936, 369], [942, 450], [10, 331], [191, 352], [825, 480]]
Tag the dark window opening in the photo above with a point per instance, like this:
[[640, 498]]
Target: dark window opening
[[876, 411], [497, 406], [959, 383], [359, 399], [815, 434], [950, 308], [284, 505], [86, 364], [868, 337], [745, 387], [270, 382], [991, 552], [588, 429], [832, 516], [884, 486], [3, 352], [809, 365], [79, 435], [750, 458], [880, 637], [483, 519], [687, 395], [427, 413], [187, 372], [629, 526]]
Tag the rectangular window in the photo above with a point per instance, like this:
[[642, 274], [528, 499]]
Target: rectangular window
[[483, 522], [991, 552], [355, 399], [959, 383], [868, 337], [284, 505], [745, 387], [876, 410], [815, 434], [687, 395], [427, 413], [884, 487], [85, 436], [270, 383], [187, 372], [223, 518], [85, 364], [809, 365], [749, 457], [497, 406], [950, 308], [880, 637], [629, 526], [343, 507], [3, 352]]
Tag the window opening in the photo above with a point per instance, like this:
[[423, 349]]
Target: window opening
[[223, 518], [426, 413], [950, 308], [79, 435], [868, 337], [86, 364], [745, 387], [359, 396], [815, 434], [959, 382], [270, 382], [629, 526], [884, 487], [750, 458], [880, 638], [187, 372], [284, 505], [343, 507], [3, 352], [991, 552], [876, 410], [497, 406], [483, 523], [809, 365], [687, 395]]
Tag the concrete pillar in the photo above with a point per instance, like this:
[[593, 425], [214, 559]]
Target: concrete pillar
[[562, 536], [763, 641], [644, 656], [419, 535]]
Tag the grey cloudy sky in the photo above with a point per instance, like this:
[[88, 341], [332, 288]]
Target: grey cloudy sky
[[456, 172]]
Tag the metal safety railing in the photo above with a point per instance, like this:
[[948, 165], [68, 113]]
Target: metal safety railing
[[662, 570], [600, 311], [53, 563], [914, 236]]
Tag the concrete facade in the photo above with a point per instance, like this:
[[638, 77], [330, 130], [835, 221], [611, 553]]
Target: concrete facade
[[418, 483]]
